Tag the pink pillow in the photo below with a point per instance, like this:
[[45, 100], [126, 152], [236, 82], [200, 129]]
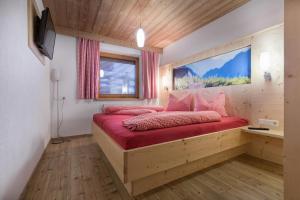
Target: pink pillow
[[217, 104], [179, 103]]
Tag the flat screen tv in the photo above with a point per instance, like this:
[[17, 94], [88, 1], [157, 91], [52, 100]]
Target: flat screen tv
[[45, 34]]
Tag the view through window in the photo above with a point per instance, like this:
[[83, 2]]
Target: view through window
[[118, 76]]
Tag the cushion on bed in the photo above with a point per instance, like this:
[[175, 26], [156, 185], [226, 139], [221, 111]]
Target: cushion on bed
[[109, 109], [134, 112], [169, 119], [182, 103], [217, 104]]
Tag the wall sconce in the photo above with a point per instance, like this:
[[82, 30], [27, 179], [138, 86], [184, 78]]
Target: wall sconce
[[265, 64], [165, 83]]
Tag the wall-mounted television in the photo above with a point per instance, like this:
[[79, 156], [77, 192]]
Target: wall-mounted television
[[45, 34]]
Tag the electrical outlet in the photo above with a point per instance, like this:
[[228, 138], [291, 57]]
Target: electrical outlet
[[268, 122]]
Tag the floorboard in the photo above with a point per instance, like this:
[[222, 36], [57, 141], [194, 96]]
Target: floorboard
[[77, 169]]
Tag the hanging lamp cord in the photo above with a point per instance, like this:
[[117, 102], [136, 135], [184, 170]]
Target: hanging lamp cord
[[140, 13]]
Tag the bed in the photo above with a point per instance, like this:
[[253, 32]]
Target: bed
[[147, 159]]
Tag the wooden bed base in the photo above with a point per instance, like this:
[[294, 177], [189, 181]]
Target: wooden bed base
[[142, 169]]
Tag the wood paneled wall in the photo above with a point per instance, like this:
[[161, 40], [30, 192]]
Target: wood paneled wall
[[292, 99], [260, 99]]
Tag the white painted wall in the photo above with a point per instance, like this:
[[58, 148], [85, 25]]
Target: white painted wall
[[78, 113], [24, 102], [248, 19]]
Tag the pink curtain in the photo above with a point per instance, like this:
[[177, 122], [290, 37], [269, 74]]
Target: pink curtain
[[88, 59], [150, 64]]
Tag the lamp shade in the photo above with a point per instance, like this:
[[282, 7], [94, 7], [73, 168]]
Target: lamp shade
[[55, 75], [265, 61], [140, 37]]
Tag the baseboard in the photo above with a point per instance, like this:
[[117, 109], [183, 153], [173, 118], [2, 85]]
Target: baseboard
[[76, 136], [72, 135]]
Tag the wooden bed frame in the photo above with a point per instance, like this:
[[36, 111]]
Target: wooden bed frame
[[142, 169]]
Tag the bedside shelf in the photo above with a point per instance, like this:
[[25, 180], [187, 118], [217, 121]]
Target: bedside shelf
[[270, 133]]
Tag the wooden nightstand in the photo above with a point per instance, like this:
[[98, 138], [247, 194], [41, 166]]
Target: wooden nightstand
[[270, 133], [267, 145]]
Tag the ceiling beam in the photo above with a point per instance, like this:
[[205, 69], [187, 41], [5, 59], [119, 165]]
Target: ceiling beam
[[104, 39]]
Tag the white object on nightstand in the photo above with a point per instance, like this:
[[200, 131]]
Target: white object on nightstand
[[268, 122]]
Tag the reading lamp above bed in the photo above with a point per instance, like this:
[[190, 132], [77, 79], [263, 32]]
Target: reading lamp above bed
[[265, 64]]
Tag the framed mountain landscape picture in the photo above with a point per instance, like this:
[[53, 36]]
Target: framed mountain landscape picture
[[231, 68]]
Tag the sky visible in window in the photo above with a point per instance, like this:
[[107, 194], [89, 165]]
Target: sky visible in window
[[117, 77]]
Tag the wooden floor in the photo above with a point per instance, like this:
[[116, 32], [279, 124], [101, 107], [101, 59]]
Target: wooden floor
[[78, 170]]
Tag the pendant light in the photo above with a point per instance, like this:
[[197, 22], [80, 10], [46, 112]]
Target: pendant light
[[140, 37], [140, 34]]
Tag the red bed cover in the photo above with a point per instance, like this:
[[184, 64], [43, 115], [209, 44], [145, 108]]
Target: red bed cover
[[112, 125]]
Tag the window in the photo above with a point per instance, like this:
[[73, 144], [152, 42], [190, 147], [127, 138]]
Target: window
[[118, 76]]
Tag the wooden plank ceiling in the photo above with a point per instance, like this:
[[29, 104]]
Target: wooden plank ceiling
[[116, 21]]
